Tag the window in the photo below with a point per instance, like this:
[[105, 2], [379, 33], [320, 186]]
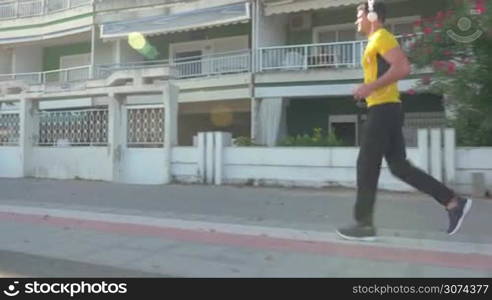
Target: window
[[345, 128], [337, 54]]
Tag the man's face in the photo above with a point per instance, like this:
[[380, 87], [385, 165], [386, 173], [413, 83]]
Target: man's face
[[362, 23]]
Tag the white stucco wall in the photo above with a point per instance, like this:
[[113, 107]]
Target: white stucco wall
[[10, 162], [6, 61], [104, 52], [92, 163], [473, 160], [273, 30], [302, 166], [146, 165], [28, 59]]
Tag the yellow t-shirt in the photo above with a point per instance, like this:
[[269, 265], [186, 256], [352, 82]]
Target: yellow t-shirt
[[375, 66]]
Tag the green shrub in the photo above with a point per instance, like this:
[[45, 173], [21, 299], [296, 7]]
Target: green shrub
[[317, 139]]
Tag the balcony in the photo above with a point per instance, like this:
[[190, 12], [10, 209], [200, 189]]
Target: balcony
[[183, 68], [31, 8], [211, 65], [315, 56], [53, 76]]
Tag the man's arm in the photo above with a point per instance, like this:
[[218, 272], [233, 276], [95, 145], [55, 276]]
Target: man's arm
[[399, 69]]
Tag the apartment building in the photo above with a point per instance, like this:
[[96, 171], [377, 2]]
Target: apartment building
[[89, 74]]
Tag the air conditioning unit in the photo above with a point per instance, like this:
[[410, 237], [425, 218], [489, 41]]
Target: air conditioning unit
[[300, 21]]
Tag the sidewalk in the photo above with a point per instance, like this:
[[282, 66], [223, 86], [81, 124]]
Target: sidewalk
[[237, 231]]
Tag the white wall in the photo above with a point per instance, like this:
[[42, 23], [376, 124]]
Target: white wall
[[104, 51], [146, 165], [91, 163], [142, 166], [273, 30], [10, 162], [128, 54], [6, 61], [469, 161], [28, 59], [302, 166], [230, 44]]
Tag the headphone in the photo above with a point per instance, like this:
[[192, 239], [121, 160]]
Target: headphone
[[372, 16]]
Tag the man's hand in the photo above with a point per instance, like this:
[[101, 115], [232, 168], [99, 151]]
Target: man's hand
[[362, 91]]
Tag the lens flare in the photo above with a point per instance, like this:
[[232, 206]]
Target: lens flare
[[221, 116], [137, 41]]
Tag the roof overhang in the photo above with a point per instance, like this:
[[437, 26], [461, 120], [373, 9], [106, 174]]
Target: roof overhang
[[185, 21]]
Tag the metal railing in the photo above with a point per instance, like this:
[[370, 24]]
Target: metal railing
[[145, 126], [105, 70], [292, 57], [9, 128], [61, 75], [30, 8], [68, 75], [83, 127], [29, 78], [311, 56], [215, 64]]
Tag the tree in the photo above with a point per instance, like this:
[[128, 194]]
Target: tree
[[457, 45]]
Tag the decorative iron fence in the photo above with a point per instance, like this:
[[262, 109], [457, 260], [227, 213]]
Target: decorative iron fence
[[9, 128], [145, 126], [87, 127]]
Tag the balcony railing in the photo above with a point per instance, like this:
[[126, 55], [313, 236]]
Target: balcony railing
[[312, 56], [215, 64], [30, 8], [104, 71], [53, 76], [293, 57]]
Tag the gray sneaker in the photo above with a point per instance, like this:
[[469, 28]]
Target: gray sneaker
[[358, 232], [457, 214]]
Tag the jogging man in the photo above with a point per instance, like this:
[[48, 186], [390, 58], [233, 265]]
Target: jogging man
[[384, 64]]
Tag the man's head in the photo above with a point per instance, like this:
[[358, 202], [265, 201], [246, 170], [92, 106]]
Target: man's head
[[362, 23]]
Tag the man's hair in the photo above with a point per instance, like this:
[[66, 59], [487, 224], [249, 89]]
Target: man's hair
[[379, 8]]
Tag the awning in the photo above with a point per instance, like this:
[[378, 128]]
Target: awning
[[21, 38], [185, 21], [291, 6]]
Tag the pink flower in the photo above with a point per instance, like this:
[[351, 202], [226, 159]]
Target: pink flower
[[411, 92], [428, 30], [417, 23], [426, 80], [480, 6], [439, 65], [451, 68], [440, 15], [447, 53]]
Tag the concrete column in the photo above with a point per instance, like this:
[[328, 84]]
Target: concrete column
[[222, 140], [436, 154], [170, 95], [423, 146], [450, 155], [116, 134], [29, 133], [209, 157], [202, 153], [255, 106]]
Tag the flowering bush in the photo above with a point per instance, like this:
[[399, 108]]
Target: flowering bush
[[457, 45]]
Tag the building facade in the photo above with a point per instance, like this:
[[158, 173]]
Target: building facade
[[87, 75]]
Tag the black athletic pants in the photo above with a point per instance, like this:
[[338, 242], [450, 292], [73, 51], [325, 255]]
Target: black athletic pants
[[383, 137]]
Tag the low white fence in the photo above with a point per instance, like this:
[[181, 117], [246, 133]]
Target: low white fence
[[216, 161], [91, 163]]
